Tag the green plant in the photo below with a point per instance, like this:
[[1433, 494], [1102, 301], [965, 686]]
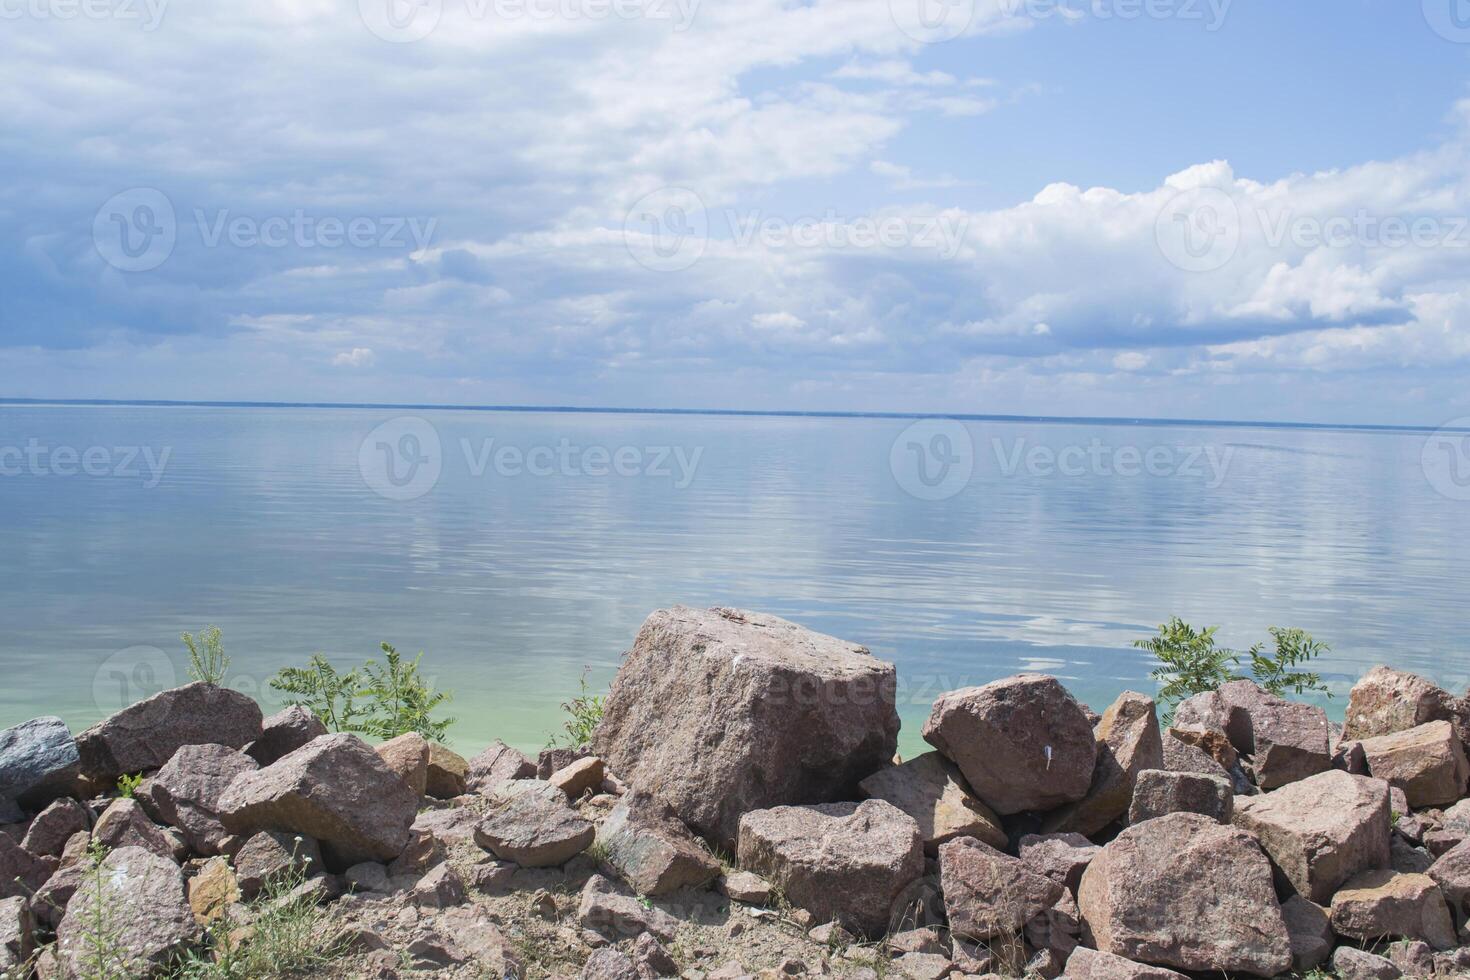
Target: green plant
[[288, 934], [379, 700], [101, 956], [207, 660], [128, 785], [1190, 663], [584, 712]]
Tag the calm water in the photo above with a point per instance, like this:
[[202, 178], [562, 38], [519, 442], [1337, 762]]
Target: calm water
[[515, 573]]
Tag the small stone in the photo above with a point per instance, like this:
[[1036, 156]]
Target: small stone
[[1089, 964], [1413, 958], [615, 915], [448, 773], [408, 757], [498, 764], [579, 777], [439, 888], [652, 960], [212, 891], [531, 824], [831, 934], [923, 966], [16, 939], [1311, 933], [647, 845], [1355, 964], [367, 876], [742, 886], [925, 940], [270, 857], [543, 906]]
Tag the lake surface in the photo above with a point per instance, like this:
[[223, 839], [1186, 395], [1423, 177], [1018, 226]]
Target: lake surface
[[519, 549]]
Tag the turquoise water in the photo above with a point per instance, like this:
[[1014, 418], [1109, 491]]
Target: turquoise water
[[282, 527]]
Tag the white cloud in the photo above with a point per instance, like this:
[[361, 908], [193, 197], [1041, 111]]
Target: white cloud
[[358, 357]]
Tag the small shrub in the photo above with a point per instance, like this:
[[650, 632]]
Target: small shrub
[[1190, 663], [128, 785], [584, 712], [378, 700], [101, 956], [207, 660]]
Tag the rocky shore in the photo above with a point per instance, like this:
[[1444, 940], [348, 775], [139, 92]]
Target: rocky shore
[[740, 811]]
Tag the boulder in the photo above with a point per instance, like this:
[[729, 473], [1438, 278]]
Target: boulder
[[21, 872], [1022, 743], [336, 790], [1356, 964], [609, 964], [497, 764], [1426, 762], [579, 777], [144, 736], [283, 733], [212, 891], [408, 756], [1376, 904], [842, 862], [49, 903], [530, 823], [1206, 752], [615, 915], [1322, 830], [54, 826], [1286, 740], [38, 763], [448, 773], [137, 903], [930, 789], [1128, 742], [187, 790], [451, 826], [651, 850], [722, 712], [271, 856], [1159, 793], [1413, 958], [1451, 872], [653, 959], [1311, 934], [124, 824], [1061, 857], [1185, 892], [990, 895], [1089, 964], [16, 941], [1387, 701]]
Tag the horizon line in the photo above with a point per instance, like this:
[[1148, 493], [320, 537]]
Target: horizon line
[[734, 412]]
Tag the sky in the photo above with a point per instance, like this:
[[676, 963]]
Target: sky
[[1236, 209]]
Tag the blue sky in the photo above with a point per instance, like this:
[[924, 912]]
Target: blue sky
[[1188, 208]]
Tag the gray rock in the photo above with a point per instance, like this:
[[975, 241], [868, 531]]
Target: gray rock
[[335, 790], [187, 790], [1061, 857], [842, 862], [1022, 743], [1311, 933], [1407, 858], [1322, 830], [144, 736], [54, 826], [1381, 903], [139, 900], [991, 895], [722, 711], [1159, 793], [652, 850], [930, 789], [38, 762], [497, 764], [21, 872], [1089, 964], [1128, 742], [616, 915], [1355, 964], [530, 823], [269, 856], [1185, 892], [283, 733]]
